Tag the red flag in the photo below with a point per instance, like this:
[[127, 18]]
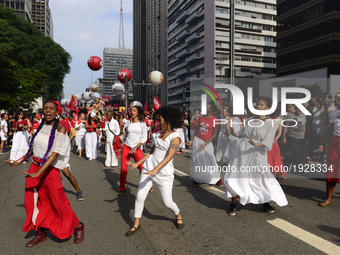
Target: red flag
[[155, 103], [67, 108], [74, 103], [146, 108]]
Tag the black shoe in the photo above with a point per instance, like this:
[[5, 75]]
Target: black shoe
[[80, 196], [232, 210], [131, 233], [268, 208]]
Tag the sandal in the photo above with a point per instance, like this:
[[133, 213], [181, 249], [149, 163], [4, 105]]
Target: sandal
[[179, 225], [132, 232], [151, 190]]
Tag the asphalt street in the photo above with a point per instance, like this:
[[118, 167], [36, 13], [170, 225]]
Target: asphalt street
[[301, 227]]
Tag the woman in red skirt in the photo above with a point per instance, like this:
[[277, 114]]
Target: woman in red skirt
[[47, 207], [333, 153]]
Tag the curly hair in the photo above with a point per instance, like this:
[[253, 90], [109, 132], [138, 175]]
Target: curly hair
[[172, 115], [140, 113]]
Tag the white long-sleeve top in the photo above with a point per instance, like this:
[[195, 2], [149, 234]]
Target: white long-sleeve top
[[114, 126], [135, 133]]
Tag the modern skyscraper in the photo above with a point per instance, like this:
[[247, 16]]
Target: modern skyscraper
[[198, 43], [115, 59], [308, 36], [150, 46], [21, 7], [42, 17]]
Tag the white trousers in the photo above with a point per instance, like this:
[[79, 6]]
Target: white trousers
[[144, 187], [91, 144], [111, 159]]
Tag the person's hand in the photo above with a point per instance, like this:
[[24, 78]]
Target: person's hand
[[202, 147], [284, 140], [132, 151], [189, 143], [232, 132], [33, 175], [119, 150], [152, 172], [16, 163], [251, 141]]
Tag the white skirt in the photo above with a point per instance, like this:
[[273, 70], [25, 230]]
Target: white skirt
[[80, 139], [91, 144], [20, 145], [222, 143], [204, 166], [181, 134]]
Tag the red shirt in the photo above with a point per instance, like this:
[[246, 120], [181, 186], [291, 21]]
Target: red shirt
[[92, 128], [73, 122], [35, 124], [102, 124], [23, 122], [206, 127]]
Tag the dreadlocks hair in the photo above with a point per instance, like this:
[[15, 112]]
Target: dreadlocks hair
[[50, 140]]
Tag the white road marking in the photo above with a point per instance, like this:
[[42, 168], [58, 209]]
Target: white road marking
[[309, 238]]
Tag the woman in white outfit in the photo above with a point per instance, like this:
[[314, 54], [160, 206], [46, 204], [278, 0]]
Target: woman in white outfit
[[20, 138], [159, 166], [80, 134], [112, 130], [91, 136], [249, 177], [204, 165]]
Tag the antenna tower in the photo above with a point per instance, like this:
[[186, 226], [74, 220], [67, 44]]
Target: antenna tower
[[121, 28]]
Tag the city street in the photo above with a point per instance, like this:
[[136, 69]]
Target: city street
[[299, 228]]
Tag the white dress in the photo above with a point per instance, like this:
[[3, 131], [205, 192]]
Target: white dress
[[165, 175], [249, 176], [80, 135], [232, 140], [181, 134]]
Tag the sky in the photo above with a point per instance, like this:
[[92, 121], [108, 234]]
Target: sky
[[84, 28]]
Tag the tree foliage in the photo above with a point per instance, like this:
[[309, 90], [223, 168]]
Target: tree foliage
[[31, 64]]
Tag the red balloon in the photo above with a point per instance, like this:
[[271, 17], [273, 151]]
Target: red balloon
[[95, 63], [122, 73], [106, 100]]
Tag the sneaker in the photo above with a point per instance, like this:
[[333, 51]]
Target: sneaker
[[90, 158], [80, 196], [232, 209], [268, 208], [195, 184]]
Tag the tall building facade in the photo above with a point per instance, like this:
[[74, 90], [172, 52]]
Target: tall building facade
[[150, 47], [198, 43], [36, 12], [308, 36], [21, 7], [115, 59], [42, 17]]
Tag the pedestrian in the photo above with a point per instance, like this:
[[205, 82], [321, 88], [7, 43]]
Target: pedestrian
[[20, 137], [333, 152], [80, 133], [112, 131], [91, 136], [135, 136], [47, 207], [3, 132], [158, 167], [248, 177], [204, 164]]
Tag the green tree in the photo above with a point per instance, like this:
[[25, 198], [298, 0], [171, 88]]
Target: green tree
[[31, 64]]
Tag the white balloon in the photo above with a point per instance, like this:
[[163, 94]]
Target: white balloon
[[62, 102], [96, 96], [87, 96], [118, 89], [156, 78], [94, 87], [78, 96]]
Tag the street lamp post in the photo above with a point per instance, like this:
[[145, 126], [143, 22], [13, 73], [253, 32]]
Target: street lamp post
[[18, 99]]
